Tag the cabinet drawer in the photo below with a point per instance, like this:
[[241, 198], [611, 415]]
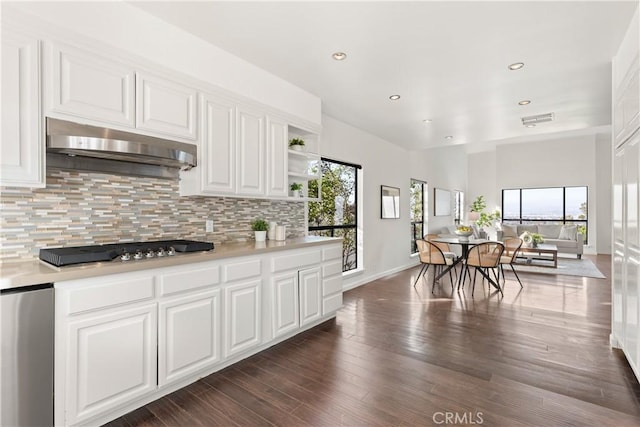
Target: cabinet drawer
[[331, 304], [331, 268], [110, 294], [332, 285], [295, 261], [333, 252], [188, 280], [242, 270]]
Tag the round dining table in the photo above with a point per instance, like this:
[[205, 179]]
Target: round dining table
[[465, 243]]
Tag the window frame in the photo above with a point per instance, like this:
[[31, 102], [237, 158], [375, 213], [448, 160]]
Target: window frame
[[333, 228], [414, 248], [563, 220]]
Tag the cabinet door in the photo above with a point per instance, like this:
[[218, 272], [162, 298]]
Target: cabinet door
[[165, 107], [242, 317], [188, 335], [111, 361], [92, 87], [22, 154], [217, 154], [250, 153], [277, 153], [310, 284], [285, 305]]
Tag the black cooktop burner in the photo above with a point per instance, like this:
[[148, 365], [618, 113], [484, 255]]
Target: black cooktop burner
[[124, 251]]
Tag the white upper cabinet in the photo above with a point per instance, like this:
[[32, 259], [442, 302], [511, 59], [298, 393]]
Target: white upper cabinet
[[165, 107], [277, 141], [89, 86], [244, 152], [21, 154], [108, 93], [250, 148], [217, 151]]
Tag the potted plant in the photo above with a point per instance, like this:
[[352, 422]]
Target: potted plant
[[296, 144], [295, 189], [260, 227], [531, 239], [483, 219]]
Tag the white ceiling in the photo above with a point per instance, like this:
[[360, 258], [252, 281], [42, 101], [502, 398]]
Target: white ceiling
[[448, 60]]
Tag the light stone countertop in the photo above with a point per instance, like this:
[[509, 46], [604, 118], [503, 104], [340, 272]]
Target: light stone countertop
[[26, 273]]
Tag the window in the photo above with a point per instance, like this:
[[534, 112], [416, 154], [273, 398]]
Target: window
[[336, 215], [553, 205], [417, 208]]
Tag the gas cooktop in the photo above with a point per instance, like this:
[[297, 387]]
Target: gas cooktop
[[125, 252]]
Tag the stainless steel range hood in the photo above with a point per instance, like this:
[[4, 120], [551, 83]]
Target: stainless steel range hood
[[89, 148]]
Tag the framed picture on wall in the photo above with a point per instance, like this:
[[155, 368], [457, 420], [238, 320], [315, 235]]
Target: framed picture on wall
[[389, 202], [441, 202]]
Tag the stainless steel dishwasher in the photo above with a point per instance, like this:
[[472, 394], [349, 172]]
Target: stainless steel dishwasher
[[26, 375]]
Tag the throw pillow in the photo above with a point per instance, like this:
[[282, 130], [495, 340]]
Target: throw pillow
[[550, 231], [509, 231], [569, 232]]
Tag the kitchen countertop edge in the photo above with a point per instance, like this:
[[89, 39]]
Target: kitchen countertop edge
[[27, 273]]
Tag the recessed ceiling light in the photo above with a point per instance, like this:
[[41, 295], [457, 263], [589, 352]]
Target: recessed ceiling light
[[427, 121], [339, 56], [516, 66], [524, 102], [448, 137], [530, 125], [394, 97]]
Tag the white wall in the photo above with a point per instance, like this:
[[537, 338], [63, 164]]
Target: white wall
[[444, 168], [385, 242], [554, 162], [482, 175]]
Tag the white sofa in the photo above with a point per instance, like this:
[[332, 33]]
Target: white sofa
[[565, 237]]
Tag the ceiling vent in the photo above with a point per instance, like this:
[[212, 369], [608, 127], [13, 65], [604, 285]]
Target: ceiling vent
[[540, 118]]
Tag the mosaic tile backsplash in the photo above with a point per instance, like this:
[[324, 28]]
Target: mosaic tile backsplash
[[78, 209]]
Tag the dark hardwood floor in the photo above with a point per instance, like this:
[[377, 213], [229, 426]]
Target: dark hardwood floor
[[398, 355]]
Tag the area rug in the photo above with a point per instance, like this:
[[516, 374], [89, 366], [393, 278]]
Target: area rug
[[566, 266]]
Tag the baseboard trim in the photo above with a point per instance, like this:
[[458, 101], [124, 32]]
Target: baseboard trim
[[368, 279]]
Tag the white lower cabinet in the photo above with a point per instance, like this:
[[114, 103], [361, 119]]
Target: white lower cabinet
[[310, 284], [331, 279], [189, 332], [123, 340], [296, 291], [285, 306], [296, 300], [111, 360], [242, 316]]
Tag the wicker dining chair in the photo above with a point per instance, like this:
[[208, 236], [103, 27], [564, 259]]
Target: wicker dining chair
[[511, 247], [444, 247], [485, 257], [430, 254]]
